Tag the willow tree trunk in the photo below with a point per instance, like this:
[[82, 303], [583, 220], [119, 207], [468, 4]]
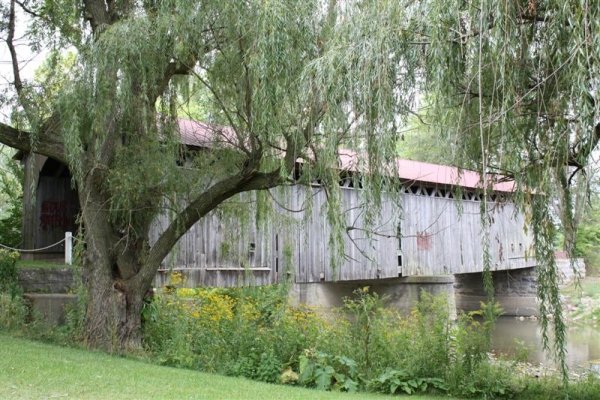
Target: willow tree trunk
[[114, 308], [115, 292], [113, 314]]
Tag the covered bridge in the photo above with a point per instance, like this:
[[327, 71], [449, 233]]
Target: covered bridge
[[430, 234], [426, 232]]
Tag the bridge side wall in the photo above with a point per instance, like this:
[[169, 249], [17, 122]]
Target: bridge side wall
[[427, 233], [441, 236]]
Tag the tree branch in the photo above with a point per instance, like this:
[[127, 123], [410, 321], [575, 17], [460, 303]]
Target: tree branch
[[47, 143], [96, 14], [173, 68], [18, 83], [202, 205], [579, 154], [29, 10]]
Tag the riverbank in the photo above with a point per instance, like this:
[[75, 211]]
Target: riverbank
[[520, 338], [582, 302]]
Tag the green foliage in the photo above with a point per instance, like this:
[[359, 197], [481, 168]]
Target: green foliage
[[521, 351], [588, 238], [471, 374], [12, 307], [420, 141], [364, 308], [473, 337], [11, 198], [75, 312], [13, 312], [430, 343], [486, 381], [292, 79], [506, 78], [251, 332], [51, 78], [247, 332], [394, 381], [514, 84], [9, 276], [326, 372], [551, 389]]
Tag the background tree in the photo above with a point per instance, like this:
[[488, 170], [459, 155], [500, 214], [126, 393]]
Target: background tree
[[588, 229], [11, 197], [516, 84], [290, 79], [421, 139]]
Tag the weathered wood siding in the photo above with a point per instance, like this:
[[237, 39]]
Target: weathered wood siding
[[225, 250], [367, 256], [439, 236]]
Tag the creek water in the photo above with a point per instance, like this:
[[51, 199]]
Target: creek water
[[512, 335]]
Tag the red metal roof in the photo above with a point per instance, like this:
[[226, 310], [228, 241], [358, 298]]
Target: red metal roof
[[418, 171], [194, 133], [446, 175]]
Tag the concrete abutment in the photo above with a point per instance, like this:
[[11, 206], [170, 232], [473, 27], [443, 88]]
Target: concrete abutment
[[401, 293]]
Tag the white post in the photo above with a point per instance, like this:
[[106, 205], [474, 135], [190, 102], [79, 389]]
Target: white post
[[68, 248]]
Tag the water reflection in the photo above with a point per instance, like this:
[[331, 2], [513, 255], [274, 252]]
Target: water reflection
[[583, 342]]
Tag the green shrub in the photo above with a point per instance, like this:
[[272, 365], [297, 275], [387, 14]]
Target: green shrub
[[9, 278], [430, 338], [394, 381], [251, 333], [485, 380], [470, 373], [11, 201], [326, 372], [13, 312]]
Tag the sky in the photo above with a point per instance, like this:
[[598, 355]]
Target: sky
[[28, 61]]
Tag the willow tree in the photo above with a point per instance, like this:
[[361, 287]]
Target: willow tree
[[291, 80], [517, 86]]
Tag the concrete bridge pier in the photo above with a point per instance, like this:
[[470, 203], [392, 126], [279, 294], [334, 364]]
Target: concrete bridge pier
[[402, 293], [515, 290]]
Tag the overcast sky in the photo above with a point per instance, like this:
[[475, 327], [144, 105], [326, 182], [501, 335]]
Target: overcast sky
[[28, 61]]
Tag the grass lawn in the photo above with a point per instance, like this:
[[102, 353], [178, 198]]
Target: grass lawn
[[33, 370], [41, 264]]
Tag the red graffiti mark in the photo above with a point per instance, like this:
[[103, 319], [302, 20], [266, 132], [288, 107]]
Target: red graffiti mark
[[54, 215], [423, 240]]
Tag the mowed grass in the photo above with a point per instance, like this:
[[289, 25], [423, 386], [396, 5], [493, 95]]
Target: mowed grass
[[33, 370], [41, 264]]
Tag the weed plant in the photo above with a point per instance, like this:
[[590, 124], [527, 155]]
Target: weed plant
[[9, 279], [254, 333], [13, 311]]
